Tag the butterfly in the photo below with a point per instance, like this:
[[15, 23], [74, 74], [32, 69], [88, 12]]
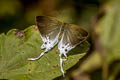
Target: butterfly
[[53, 32]]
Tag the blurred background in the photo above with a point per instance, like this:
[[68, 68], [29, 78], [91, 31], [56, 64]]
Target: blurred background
[[101, 18]]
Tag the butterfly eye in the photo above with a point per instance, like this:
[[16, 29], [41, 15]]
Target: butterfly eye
[[66, 50]]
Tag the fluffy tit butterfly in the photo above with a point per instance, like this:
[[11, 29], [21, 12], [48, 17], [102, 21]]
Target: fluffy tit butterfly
[[54, 32]]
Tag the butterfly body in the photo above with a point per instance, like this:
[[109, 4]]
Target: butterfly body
[[54, 32]]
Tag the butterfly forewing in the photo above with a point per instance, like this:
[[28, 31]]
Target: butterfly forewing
[[50, 29], [72, 36], [75, 35]]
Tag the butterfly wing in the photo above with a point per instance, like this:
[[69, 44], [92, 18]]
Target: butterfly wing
[[72, 36], [50, 29]]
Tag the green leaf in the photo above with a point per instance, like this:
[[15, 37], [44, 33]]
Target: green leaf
[[19, 45]]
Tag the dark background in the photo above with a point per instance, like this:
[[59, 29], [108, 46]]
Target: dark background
[[21, 13]]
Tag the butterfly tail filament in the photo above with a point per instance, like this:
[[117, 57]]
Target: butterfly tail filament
[[61, 65]]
